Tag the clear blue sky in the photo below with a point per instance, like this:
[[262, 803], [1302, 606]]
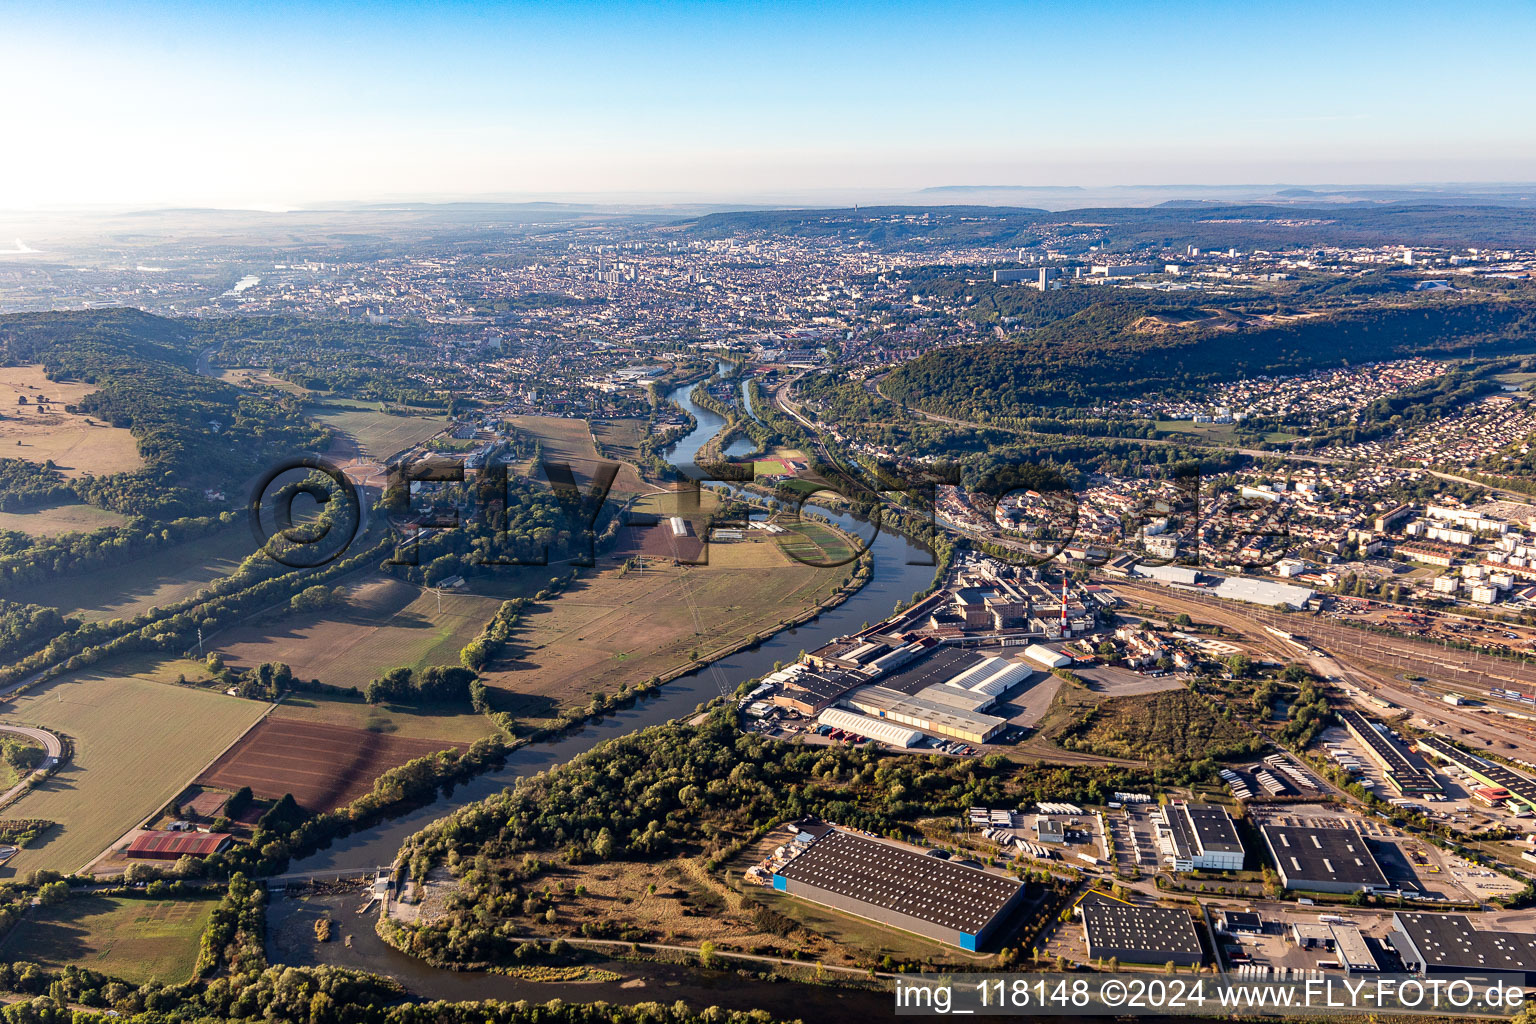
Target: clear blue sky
[[278, 103]]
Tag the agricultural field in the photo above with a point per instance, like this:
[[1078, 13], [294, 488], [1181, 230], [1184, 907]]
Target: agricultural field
[[132, 939], [376, 434], [570, 441], [621, 438], [78, 445], [123, 591], [447, 725], [384, 624], [623, 624], [138, 738], [323, 766], [52, 520]]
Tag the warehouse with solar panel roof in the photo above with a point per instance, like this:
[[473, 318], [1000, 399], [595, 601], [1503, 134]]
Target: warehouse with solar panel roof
[[894, 884]]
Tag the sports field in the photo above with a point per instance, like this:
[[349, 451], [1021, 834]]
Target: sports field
[[323, 766], [167, 576], [384, 624], [624, 625], [138, 740], [378, 434], [78, 445], [52, 520], [132, 939]]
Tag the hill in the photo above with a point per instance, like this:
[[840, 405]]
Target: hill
[[1114, 349], [1125, 229]]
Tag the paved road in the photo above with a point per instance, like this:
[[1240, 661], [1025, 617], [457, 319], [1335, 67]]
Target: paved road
[[51, 744]]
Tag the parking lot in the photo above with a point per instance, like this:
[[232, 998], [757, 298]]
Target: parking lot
[[1135, 848]]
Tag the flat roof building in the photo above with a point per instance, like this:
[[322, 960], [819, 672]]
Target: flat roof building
[[1199, 837], [930, 716], [1323, 859], [929, 668], [1139, 935], [1521, 788], [1351, 950], [1401, 773], [1448, 944], [898, 886]]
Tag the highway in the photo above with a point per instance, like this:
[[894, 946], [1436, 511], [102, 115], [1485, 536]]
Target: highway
[[54, 752]]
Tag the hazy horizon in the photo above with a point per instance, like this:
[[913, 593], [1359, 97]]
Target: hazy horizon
[[220, 105]]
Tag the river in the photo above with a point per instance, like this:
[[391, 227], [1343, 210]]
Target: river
[[901, 568]]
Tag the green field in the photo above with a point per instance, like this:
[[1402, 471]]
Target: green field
[[384, 624], [138, 739], [75, 517], [814, 544], [167, 576], [1218, 433], [132, 939], [570, 441], [378, 434], [425, 723]]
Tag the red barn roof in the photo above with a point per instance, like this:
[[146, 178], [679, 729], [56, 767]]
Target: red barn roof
[[171, 845]]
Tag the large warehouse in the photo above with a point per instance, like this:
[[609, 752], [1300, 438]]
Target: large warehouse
[[1448, 944], [1522, 791], [1323, 859], [1139, 935], [897, 886], [1199, 837], [1399, 770]]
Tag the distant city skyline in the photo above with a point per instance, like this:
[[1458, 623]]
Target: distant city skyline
[[228, 105]]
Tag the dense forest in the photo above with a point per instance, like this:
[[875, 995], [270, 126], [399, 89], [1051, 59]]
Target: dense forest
[[1107, 351], [374, 362], [194, 432]]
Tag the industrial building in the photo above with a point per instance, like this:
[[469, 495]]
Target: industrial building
[[920, 711], [873, 728], [1352, 950], [898, 886], [1521, 789], [1397, 768], [1448, 944], [1198, 837], [1139, 935], [942, 691], [1323, 859], [1044, 656]]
